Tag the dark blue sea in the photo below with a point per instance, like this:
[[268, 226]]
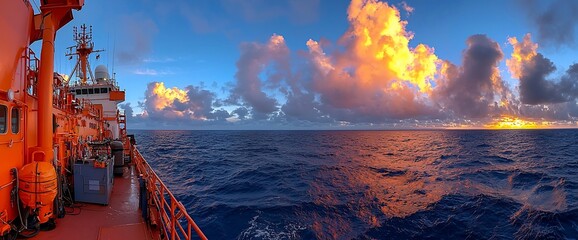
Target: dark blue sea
[[372, 184]]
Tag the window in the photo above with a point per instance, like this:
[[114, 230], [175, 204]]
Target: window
[[103, 90], [97, 90], [15, 120], [3, 116], [77, 91], [90, 91], [84, 91]]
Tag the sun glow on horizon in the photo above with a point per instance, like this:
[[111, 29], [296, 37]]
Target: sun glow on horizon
[[511, 122]]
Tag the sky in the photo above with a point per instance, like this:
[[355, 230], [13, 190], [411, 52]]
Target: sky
[[336, 64]]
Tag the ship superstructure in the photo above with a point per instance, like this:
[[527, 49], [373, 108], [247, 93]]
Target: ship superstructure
[[63, 140], [98, 88]]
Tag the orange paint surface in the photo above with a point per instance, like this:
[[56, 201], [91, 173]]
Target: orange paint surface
[[116, 95]]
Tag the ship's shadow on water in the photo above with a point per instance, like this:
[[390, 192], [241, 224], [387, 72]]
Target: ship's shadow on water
[[372, 184]]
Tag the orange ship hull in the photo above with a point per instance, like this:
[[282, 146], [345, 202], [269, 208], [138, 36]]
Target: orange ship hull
[[49, 128]]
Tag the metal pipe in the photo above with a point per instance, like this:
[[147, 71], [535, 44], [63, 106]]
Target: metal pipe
[[45, 88], [23, 226]]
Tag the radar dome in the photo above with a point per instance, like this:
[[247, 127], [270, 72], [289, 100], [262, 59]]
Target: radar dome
[[101, 73]]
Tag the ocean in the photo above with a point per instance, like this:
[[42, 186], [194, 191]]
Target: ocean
[[446, 184]]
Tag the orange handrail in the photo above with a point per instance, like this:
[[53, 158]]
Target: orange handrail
[[170, 210]]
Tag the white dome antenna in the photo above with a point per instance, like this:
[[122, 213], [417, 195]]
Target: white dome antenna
[[101, 74]]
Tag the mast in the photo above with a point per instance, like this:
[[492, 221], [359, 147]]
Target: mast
[[84, 47], [54, 14]]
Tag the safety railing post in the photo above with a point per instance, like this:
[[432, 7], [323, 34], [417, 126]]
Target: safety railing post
[[173, 220], [168, 221]]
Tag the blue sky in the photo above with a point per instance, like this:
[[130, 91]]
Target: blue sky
[[199, 43]]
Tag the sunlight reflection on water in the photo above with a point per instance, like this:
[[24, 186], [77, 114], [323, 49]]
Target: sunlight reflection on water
[[371, 184]]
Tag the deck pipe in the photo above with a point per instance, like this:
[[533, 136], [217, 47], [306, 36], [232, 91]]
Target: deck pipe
[[45, 87]]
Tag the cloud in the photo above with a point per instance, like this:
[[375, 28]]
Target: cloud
[[557, 111], [159, 60], [254, 11], [298, 11], [151, 72], [372, 75], [378, 76], [556, 21], [128, 111], [304, 11], [377, 38], [199, 20], [475, 89], [532, 69], [256, 58], [406, 7], [241, 112], [174, 104], [137, 32]]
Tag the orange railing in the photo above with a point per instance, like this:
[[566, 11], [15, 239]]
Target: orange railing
[[166, 211]]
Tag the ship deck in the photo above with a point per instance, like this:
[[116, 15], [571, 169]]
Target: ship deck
[[121, 219]]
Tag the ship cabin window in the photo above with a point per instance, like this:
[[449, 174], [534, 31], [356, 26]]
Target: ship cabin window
[[104, 90], [15, 120], [90, 91], [97, 90], [77, 91], [84, 91], [3, 116]]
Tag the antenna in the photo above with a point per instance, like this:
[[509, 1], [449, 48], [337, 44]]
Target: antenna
[[84, 47], [108, 46], [113, 57]]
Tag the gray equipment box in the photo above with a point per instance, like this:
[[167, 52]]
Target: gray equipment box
[[92, 185]]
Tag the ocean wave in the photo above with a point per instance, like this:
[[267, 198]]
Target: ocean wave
[[372, 184]]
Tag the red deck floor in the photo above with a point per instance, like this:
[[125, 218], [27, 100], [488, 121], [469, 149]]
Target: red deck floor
[[121, 219]]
